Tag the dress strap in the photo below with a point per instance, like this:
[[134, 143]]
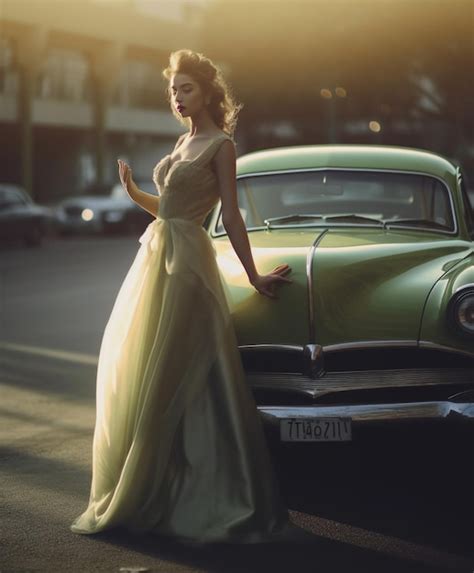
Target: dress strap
[[211, 149]]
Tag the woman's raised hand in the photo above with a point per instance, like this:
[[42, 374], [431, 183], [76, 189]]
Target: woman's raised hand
[[125, 173], [265, 284]]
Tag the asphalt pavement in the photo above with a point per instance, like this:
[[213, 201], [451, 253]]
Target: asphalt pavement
[[382, 505]]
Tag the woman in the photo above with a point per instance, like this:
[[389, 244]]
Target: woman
[[178, 446]]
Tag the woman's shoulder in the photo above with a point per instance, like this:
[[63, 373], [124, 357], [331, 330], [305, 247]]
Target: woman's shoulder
[[216, 135], [222, 136], [209, 137], [215, 140]]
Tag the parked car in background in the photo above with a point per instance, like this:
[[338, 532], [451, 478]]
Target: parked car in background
[[102, 210], [21, 219], [377, 327]]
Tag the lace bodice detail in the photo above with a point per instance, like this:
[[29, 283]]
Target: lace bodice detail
[[188, 188]]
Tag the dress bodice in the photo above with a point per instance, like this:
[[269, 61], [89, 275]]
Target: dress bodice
[[188, 188]]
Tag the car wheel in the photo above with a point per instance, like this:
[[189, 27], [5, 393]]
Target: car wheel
[[34, 237]]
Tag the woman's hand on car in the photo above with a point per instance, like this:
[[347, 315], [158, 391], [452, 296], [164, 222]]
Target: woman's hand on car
[[265, 284]]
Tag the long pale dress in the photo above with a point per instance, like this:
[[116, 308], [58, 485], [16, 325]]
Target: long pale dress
[[178, 447]]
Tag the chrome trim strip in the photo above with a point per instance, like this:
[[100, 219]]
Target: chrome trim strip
[[273, 347], [470, 285], [357, 345], [370, 344], [310, 169], [305, 169], [314, 363], [309, 277], [435, 346]]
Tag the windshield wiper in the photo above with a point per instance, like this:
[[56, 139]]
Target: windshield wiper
[[288, 218], [302, 217], [353, 217], [415, 222]]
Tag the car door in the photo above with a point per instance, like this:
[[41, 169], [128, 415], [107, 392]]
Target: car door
[[12, 214]]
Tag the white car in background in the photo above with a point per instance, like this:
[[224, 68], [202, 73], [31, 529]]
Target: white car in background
[[99, 213]]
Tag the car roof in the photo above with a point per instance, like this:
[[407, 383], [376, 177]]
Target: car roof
[[11, 187], [345, 156]]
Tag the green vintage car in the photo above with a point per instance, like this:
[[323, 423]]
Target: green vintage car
[[378, 324]]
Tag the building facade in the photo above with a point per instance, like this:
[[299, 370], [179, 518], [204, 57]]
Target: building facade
[[80, 86]]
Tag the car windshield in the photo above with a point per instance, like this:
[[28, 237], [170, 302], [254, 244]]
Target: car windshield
[[341, 198]]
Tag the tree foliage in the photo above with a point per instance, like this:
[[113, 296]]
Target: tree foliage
[[406, 64]]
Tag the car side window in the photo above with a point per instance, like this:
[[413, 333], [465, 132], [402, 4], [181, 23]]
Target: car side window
[[10, 198], [20, 200], [468, 209]]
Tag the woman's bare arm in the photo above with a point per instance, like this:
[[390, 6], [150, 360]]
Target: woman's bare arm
[[145, 200], [231, 217], [234, 225]]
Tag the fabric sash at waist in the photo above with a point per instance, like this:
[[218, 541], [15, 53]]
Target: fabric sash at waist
[[187, 248]]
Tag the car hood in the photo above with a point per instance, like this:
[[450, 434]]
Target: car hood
[[365, 284], [372, 285]]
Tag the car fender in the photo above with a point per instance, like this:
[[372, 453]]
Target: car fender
[[435, 325]]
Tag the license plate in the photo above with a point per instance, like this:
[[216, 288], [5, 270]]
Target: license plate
[[315, 430]]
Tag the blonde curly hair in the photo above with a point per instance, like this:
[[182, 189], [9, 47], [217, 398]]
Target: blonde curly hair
[[222, 106]]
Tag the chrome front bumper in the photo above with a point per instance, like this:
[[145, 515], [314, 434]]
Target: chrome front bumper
[[422, 392], [368, 414]]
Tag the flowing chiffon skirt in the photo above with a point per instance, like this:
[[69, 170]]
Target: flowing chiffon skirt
[[178, 446]]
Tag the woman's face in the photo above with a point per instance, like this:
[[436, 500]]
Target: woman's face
[[186, 95]]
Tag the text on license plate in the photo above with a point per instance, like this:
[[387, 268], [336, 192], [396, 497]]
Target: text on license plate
[[315, 429]]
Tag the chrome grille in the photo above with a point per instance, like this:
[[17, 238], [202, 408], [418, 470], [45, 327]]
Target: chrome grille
[[356, 386]]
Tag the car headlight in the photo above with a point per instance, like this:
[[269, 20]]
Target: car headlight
[[462, 310], [87, 214]]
